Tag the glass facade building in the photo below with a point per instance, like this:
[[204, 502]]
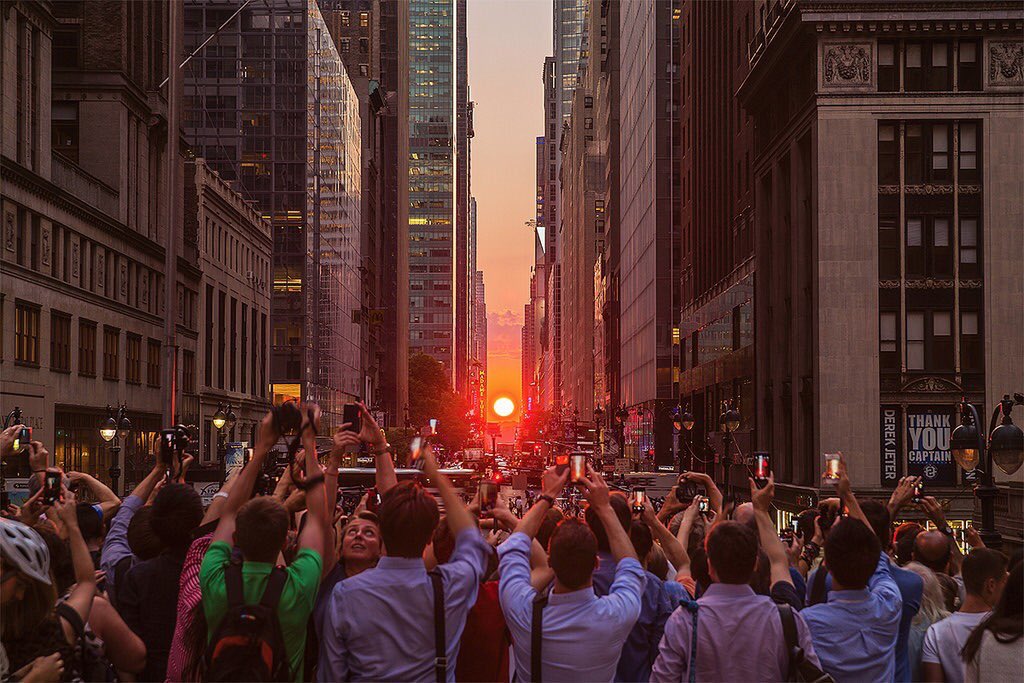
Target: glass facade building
[[432, 179], [270, 106]]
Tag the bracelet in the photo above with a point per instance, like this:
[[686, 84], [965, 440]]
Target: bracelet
[[385, 449], [549, 499], [219, 494]]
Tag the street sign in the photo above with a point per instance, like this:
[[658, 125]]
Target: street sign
[[621, 465]]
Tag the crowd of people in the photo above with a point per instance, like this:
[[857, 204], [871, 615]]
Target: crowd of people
[[413, 586]]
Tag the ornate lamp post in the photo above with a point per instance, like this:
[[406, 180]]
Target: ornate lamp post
[[221, 419], [1005, 448], [729, 421], [116, 428], [683, 420]]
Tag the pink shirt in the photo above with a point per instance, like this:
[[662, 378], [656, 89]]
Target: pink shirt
[[189, 597]]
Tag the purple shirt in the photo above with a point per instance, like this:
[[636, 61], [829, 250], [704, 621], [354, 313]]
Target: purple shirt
[[739, 638]]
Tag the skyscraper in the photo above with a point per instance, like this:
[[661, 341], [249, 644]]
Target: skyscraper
[[269, 104], [438, 184]]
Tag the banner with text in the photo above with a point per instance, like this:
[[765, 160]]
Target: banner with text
[[891, 447], [928, 434]]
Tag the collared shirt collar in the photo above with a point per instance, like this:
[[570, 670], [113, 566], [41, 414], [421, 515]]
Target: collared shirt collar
[[413, 563], [728, 590], [574, 597], [849, 596]]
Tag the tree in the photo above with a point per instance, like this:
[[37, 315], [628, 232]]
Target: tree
[[431, 397]]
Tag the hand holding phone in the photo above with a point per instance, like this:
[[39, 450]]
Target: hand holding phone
[[22, 438], [831, 474], [352, 415], [918, 491], [639, 499], [488, 494], [704, 506], [51, 486], [577, 466], [762, 468]]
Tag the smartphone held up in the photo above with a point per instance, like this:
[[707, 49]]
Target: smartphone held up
[[761, 468], [577, 466], [51, 486], [639, 499], [831, 472], [488, 493]]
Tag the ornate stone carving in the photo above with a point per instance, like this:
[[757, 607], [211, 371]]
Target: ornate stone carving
[[145, 289], [888, 189], [74, 258], [9, 231], [970, 189], [44, 245], [1006, 63], [124, 278], [846, 64], [101, 270], [928, 189], [970, 284], [929, 283], [889, 284], [932, 385]]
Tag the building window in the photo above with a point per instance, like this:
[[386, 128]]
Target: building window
[[133, 359], [86, 348], [971, 358], [111, 341], [346, 18], [188, 372], [968, 153], [26, 333], [927, 67], [927, 152], [888, 72], [888, 242], [928, 250], [915, 341], [364, 46], [940, 151], [345, 45], [64, 129], [60, 342], [888, 155], [153, 363], [969, 254], [888, 342], [67, 47], [364, 19], [968, 75], [942, 341]]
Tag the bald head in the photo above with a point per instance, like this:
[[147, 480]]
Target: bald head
[[744, 514], [933, 550]]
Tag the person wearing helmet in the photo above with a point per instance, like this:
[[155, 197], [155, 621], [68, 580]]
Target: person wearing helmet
[[33, 629]]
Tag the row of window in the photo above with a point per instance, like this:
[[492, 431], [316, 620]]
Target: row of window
[[929, 246], [75, 260], [928, 149], [226, 249], [235, 338], [929, 341], [927, 65], [27, 336]]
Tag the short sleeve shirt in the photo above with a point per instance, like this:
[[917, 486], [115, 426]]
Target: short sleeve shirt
[[297, 598]]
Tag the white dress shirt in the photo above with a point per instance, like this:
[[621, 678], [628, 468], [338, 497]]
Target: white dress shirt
[[583, 634]]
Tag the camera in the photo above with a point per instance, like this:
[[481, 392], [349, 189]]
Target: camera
[[22, 438], [918, 492], [686, 491], [287, 418]]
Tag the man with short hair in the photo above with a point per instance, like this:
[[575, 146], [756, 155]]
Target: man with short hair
[[582, 634], [739, 633], [641, 648], [984, 573], [258, 527], [855, 631], [381, 623], [148, 598]]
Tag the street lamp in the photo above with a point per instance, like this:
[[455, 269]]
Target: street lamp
[[683, 420], [221, 419], [113, 430], [1005, 449], [729, 420]]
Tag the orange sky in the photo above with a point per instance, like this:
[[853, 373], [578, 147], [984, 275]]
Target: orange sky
[[508, 41]]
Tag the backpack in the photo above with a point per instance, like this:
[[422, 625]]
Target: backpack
[[248, 644], [799, 668], [91, 664]]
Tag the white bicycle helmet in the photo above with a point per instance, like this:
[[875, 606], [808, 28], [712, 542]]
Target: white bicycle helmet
[[23, 547]]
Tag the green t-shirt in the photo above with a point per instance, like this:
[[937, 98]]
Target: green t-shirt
[[297, 598]]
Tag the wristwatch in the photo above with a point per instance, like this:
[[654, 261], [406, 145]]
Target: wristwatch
[[948, 530], [386, 448], [549, 499]]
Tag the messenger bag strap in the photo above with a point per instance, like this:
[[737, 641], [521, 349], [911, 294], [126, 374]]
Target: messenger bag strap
[[233, 583], [540, 601], [440, 637]]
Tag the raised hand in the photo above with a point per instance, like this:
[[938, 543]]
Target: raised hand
[[552, 482], [597, 490], [762, 498]]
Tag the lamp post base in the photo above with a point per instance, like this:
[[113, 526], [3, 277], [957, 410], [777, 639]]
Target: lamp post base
[[986, 494]]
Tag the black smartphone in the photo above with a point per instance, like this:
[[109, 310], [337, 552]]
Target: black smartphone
[[372, 500], [353, 416], [639, 499], [22, 438], [762, 468], [918, 491], [168, 440], [51, 487], [488, 495], [686, 491], [786, 535]]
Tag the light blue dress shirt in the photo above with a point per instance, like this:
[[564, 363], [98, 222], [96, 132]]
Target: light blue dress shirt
[[583, 633], [855, 632], [115, 545], [381, 622]]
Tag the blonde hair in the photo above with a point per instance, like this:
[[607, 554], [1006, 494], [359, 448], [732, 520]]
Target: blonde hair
[[933, 602], [21, 617]]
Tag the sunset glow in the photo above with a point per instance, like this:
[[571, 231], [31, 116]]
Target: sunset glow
[[504, 407]]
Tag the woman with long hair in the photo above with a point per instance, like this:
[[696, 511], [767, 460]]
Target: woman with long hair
[[995, 651], [33, 627], [933, 609]]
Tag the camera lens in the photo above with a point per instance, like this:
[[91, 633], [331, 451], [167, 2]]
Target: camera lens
[[289, 419]]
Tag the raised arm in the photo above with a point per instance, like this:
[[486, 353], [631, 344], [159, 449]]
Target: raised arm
[[459, 517], [770, 541], [710, 489], [242, 488], [314, 532], [600, 498], [901, 495], [846, 494], [107, 499], [373, 436], [552, 484], [82, 594], [675, 551]]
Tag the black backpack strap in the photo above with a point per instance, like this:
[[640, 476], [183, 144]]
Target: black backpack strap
[[818, 592], [540, 601], [788, 627], [68, 613], [233, 584], [799, 668], [440, 633], [275, 586]]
